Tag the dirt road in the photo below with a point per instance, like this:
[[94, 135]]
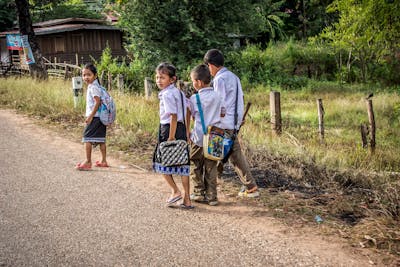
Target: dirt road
[[53, 215]]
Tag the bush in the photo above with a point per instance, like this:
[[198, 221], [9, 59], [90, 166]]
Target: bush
[[288, 65], [133, 72]]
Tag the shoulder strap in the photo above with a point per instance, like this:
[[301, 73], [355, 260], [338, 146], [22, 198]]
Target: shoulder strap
[[201, 113], [236, 106], [183, 112]]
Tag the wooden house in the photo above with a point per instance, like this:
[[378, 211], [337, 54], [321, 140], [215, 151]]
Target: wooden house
[[71, 40]]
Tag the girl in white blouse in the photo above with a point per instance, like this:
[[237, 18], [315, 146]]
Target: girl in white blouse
[[172, 127]]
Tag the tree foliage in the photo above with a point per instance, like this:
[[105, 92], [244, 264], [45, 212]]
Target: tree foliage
[[307, 17], [43, 10], [7, 15], [368, 31], [182, 31]]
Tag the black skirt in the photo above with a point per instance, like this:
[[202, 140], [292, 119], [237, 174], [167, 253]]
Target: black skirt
[[95, 132]]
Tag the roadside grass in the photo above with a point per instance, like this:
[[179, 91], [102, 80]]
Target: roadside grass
[[356, 192]]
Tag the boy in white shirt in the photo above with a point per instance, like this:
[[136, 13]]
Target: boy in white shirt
[[204, 174], [230, 91]]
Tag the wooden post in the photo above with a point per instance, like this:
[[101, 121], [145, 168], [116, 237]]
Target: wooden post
[[148, 87], [76, 59], [321, 114], [364, 134], [371, 118], [275, 107], [109, 81], [65, 70], [120, 82]]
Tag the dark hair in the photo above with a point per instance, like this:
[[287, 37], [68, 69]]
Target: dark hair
[[202, 73], [215, 57], [167, 68], [91, 67]]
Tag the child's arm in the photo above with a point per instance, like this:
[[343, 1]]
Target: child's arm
[[94, 110], [172, 127]]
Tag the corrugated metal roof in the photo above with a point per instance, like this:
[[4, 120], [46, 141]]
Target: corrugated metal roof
[[55, 22], [65, 28]]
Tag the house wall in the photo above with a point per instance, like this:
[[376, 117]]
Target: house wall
[[84, 43]]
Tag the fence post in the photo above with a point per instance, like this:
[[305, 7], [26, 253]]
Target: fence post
[[148, 87], [65, 70], [76, 59], [372, 129], [109, 81], [364, 134], [321, 114], [120, 82], [275, 107]]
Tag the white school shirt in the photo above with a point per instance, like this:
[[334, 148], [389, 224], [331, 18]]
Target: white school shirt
[[170, 103], [92, 91], [227, 84], [211, 105]]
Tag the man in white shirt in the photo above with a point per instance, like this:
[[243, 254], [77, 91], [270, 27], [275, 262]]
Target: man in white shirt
[[229, 88]]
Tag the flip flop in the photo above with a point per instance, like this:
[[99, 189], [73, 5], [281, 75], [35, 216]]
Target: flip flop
[[186, 207], [172, 200], [101, 164], [83, 167]]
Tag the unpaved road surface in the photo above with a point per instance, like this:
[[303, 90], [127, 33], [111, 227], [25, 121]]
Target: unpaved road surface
[[53, 215]]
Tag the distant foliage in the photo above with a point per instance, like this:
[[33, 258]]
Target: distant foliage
[[132, 71], [58, 9], [288, 65], [7, 15], [366, 40]]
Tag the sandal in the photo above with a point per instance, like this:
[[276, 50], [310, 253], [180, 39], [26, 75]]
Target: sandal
[[172, 200], [186, 207], [83, 167], [101, 164]]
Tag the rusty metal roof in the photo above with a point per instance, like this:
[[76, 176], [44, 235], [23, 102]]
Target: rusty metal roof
[[55, 22], [65, 28]]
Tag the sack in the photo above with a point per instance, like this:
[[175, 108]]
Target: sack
[[174, 153], [213, 143], [107, 109]]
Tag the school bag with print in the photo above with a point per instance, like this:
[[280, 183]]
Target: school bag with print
[[107, 109], [213, 138]]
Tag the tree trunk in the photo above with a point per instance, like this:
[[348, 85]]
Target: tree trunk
[[37, 69]]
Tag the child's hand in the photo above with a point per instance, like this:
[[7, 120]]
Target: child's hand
[[171, 139], [88, 120]]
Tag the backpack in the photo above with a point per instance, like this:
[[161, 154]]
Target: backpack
[[107, 109]]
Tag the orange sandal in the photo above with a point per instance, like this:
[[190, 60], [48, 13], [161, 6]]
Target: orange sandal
[[83, 167], [102, 164]]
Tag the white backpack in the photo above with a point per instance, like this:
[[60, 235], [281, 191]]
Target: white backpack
[[107, 109]]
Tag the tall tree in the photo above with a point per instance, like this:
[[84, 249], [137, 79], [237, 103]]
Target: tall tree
[[37, 69]]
